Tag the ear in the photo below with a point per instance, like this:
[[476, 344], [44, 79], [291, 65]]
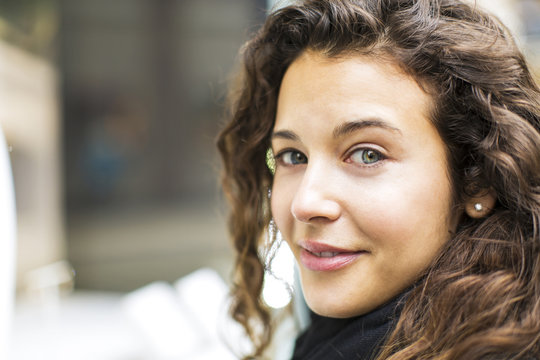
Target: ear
[[481, 204]]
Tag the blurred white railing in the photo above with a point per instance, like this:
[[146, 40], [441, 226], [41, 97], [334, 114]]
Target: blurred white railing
[[7, 247]]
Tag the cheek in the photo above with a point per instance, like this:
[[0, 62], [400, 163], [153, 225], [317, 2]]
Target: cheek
[[280, 202], [406, 210]]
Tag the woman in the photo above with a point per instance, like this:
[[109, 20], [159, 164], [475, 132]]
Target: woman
[[406, 138]]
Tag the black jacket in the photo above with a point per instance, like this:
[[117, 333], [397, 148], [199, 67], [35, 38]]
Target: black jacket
[[357, 338]]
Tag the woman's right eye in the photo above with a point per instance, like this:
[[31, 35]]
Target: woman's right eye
[[291, 157]]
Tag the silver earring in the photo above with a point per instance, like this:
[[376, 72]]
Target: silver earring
[[272, 230], [478, 207]]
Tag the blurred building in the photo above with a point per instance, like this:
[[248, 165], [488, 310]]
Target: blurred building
[[143, 85], [30, 118], [111, 110]]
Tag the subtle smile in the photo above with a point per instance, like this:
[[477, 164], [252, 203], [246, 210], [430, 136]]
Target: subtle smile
[[320, 257]]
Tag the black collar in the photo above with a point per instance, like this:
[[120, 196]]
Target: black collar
[[357, 338]]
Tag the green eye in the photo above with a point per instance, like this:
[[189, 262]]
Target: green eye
[[271, 161], [366, 156], [293, 158]]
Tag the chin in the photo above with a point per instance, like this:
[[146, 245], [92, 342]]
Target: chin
[[335, 308]]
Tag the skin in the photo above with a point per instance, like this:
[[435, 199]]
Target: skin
[[359, 167]]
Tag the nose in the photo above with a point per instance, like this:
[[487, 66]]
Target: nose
[[316, 198]]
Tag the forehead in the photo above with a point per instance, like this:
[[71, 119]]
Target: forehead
[[344, 89]]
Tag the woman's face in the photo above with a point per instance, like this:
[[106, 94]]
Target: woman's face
[[361, 190]]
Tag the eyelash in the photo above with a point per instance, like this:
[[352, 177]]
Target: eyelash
[[381, 157], [279, 157]]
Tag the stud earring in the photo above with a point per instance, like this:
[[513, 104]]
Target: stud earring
[[478, 207]]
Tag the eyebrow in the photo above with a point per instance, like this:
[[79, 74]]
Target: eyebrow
[[353, 126], [285, 134], [342, 129]]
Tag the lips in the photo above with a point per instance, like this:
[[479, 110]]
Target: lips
[[321, 257]]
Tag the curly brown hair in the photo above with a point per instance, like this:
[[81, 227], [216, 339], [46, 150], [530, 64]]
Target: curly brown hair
[[481, 297]]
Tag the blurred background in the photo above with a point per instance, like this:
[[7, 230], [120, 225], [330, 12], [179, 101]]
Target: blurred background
[[110, 111]]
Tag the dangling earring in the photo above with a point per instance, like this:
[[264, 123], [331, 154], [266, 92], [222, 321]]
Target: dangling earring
[[270, 161], [272, 230], [271, 242]]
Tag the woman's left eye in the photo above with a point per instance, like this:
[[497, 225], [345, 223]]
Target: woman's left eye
[[366, 156]]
